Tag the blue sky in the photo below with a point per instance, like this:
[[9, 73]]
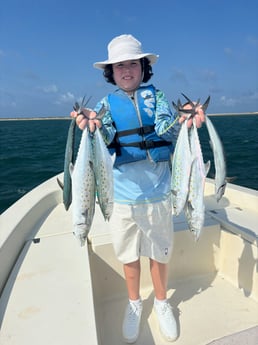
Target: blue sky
[[47, 49]]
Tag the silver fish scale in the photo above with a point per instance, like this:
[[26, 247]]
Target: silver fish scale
[[87, 185], [194, 207], [83, 189], [181, 167], [103, 170], [219, 160]]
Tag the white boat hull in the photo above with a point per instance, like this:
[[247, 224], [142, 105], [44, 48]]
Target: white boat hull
[[53, 291]]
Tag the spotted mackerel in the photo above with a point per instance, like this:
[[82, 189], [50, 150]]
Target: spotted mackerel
[[92, 176], [181, 167], [83, 189], [66, 185], [189, 171], [219, 160], [103, 171], [194, 207]]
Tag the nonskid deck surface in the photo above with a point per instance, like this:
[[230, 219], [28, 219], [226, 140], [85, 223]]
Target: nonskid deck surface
[[206, 308], [49, 298]]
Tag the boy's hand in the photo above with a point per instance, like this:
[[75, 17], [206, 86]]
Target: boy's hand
[[86, 117], [199, 116]]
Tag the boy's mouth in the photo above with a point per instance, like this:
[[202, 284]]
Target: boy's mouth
[[127, 77]]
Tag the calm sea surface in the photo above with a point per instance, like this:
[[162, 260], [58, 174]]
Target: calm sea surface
[[33, 151]]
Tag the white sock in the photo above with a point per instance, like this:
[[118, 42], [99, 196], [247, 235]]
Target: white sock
[[159, 301], [136, 302]]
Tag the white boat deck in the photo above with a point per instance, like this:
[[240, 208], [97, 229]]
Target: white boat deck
[[61, 294]]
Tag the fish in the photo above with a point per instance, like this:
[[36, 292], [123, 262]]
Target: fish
[[66, 185], [216, 145], [103, 170], [92, 177], [181, 167], [193, 200], [83, 188], [194, 208], [192, 111], [219, 160]]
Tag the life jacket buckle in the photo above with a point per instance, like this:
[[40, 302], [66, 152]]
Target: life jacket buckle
[[145, 145]]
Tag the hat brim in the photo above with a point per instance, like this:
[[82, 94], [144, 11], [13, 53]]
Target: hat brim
[[151, 57]]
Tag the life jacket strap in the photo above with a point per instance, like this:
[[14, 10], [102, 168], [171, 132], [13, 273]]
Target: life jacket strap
[[143, 145], [140, 130]]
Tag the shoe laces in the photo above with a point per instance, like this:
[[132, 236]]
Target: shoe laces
[[133, 312], [165, 310]]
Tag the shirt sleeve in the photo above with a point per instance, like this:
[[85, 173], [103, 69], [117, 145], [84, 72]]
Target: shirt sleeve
[[107, 130], [166, 123]]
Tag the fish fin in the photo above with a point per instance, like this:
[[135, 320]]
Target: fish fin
[[81, 239], [188, 100], [196, 234], [193, 158], [179, 104], [207, 166], [231, 178], [101, 112], [76, 106], [113, 158], [61, 185], [221, 191], [175, 106], [71, 168], [206, 103], [211, 145], [91, 165]]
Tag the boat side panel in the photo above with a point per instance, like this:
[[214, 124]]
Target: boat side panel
[[48, 297], [21, 222], [239, 263]]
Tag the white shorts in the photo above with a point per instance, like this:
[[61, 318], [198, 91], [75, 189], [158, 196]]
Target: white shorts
[[142, 230]]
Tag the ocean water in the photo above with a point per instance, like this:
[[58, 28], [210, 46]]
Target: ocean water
[[32, 151]]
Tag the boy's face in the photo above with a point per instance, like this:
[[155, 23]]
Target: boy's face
[[128, 75]]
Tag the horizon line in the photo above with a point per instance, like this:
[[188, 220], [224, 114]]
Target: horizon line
[[68, 117]]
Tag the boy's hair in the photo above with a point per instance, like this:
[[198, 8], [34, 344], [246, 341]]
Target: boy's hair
[[146, 68]]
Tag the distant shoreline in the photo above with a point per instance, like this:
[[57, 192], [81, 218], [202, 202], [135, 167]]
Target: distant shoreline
[[69, 118], [234, 114], [34, 118]]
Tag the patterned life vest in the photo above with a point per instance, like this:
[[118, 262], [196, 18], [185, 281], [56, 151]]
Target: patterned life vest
[[134, 122]]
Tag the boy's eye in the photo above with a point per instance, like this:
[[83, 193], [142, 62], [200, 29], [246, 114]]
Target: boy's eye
[[123, 65]]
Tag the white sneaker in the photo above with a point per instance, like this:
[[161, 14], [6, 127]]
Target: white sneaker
[[131, 324], [167, 322]]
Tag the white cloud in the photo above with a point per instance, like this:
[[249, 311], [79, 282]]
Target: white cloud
[[252, 40], [67, 97], [50, 88], [241, 100], [228, 101]]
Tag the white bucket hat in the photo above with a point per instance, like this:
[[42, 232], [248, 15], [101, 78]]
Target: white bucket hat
[[123, 48]]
